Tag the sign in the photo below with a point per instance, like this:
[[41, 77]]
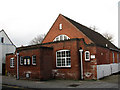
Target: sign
[[92, 56]]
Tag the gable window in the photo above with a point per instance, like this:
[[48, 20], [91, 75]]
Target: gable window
[[12, 62], [63, 58], [61, 37], [113, 56], [87, 56], [2, 39], [60, 26], [33, 60], [21, 60]]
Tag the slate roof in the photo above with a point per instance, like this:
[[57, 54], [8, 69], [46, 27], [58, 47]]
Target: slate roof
[[96, 37]]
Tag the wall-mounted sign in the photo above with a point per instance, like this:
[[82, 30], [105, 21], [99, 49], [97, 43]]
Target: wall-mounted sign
[[92, 56]]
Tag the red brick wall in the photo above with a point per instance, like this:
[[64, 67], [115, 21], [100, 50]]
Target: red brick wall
[[74, 71], [103, 56], [10, 70], [42, 70], [35, 70], [67, 29]]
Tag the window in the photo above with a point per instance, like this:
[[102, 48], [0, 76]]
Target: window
[[60, 26], [11, 62], [61, 37], [2, 39], [117, 58], [87, 56], [21, 60], [113, 57], [26, 60], [33, 60], [63, 58]]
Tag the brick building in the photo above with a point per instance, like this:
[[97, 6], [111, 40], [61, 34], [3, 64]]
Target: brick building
[[69, 51]]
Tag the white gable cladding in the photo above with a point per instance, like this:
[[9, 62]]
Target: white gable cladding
[[5, 47]]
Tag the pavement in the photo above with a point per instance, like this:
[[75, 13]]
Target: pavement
[[107, 82]]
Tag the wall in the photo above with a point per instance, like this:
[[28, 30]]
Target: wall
[[67, 28], [74, 72], [6, 47], [43, 68], [11, 71], [106, 70]]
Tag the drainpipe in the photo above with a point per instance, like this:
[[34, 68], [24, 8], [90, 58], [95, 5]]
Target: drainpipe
[[81, 63], [17, 66]]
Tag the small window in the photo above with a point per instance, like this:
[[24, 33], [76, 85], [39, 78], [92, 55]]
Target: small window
[[27, 60], [113, 57], [2, 39], [60, 26], [33, 60], [63, 58], [21, 60], [11, 62], [87, 56]]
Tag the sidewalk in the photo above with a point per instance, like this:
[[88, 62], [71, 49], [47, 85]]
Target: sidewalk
[[60, 83]]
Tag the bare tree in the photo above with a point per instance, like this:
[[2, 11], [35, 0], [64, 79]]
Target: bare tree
[[108, 36], [94, 28], [38, 39]]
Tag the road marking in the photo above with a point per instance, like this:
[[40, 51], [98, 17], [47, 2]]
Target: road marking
[[12, 86]]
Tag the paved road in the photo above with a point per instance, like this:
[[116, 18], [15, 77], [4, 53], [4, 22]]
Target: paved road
[[108, 82]]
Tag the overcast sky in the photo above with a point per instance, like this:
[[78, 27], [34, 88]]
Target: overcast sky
[[23, 20]]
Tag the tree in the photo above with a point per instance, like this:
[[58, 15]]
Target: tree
[[94, 28], [38, 39], [108, 36]]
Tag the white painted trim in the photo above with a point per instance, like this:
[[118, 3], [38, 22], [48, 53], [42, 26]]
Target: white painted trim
[[86, 57], [62, 36], [64, 58], [12, 63], [32, 60], [20, 60]]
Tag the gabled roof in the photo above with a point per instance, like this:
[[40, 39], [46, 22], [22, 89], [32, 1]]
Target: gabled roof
[[96, 37], [7, 36]]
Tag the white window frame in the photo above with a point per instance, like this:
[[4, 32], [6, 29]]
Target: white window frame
[[87, 59], [12, 62], [118, 57], [32, 60], [58, 38], [113, 57], [21, 58], [63, 58]]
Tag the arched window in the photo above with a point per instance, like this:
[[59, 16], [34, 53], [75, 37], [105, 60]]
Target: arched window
[[63, 58], [61, 37], [87, 56]]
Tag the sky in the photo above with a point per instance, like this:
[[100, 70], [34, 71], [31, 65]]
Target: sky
[[23, 20]]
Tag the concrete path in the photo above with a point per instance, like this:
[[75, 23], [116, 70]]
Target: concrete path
[[108, 82]]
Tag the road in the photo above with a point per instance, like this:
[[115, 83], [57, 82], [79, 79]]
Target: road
[[107, 82]]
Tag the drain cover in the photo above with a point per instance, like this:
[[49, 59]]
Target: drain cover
[[73, 85]]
